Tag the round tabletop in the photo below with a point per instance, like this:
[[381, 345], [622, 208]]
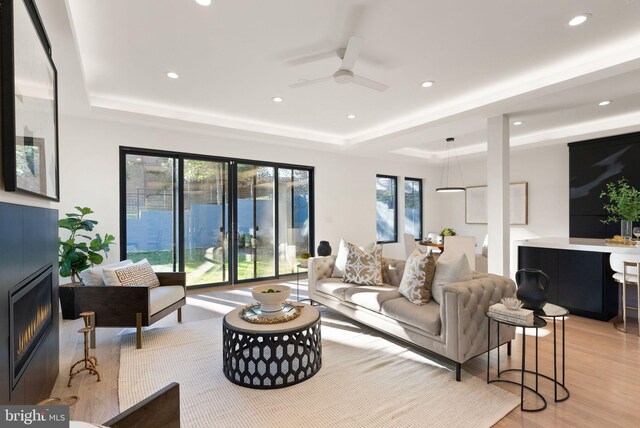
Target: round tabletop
[[552, 311], [308, 316], [537, 321]]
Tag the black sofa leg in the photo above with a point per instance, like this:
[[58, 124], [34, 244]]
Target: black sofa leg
[[458, 371], [509, 348]]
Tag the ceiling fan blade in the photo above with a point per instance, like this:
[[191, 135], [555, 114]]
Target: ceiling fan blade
[[311, 58], [368, 83], [310, 82], [351, 53]]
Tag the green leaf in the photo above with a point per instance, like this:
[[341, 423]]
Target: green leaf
[[95, 258], [84, 210]]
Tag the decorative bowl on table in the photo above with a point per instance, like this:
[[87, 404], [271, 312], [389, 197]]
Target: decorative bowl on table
[[271, 297]]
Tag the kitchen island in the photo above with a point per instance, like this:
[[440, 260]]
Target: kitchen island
[[581, 278]]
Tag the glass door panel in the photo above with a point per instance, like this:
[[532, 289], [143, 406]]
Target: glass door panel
[[255, 212], [205, 217], [293, 218], [150, 210]]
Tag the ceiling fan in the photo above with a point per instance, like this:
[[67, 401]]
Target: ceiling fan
[[349, 55]]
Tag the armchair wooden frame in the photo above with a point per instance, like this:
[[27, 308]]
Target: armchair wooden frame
[[128, 306], [161, 409]]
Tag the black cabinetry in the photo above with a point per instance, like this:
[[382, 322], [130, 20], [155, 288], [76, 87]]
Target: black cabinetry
[[581, 281]]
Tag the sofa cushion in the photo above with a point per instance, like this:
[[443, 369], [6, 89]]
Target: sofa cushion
[[417, 278], [371, 297], [364, 267], [333, 287], [140, 273], [341, 259], [93, 276], [450, 269], [425, 317], [163, 297]]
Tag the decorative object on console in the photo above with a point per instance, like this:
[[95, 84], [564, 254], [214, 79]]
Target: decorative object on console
[[271, 297], [447, 231], [533, 285], [324, 249], [78, 256], [501, 312], [444, 180], [450, 268], [511, 303], [623, 204], [418, 277], [29, 103], [364, 267], [304, 257]]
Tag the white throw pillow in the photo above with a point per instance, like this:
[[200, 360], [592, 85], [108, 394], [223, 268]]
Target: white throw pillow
[[341, 259], [140, 273], [94, 276], [418, 277], [450, 269]]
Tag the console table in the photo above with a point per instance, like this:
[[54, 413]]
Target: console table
[[267, 356]]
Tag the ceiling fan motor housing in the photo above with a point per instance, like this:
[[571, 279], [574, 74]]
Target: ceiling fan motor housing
[[343, 76]]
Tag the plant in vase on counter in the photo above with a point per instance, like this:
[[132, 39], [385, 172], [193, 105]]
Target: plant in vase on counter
[[623, 205]]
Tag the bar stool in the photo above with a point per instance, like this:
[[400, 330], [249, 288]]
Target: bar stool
[[626, 268]]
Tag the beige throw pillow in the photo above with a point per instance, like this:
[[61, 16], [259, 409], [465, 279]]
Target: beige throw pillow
[[364, 267], [140, 273], [450, 269], [418, 276]]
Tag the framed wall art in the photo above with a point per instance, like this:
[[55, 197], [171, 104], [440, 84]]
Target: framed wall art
[[29, 103], [476, 204]]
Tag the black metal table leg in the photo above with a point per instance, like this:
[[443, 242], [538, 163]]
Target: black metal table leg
[[524, 354], [498, 349], [488, 346]]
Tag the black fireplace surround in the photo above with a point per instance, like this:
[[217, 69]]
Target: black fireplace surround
[[29, 322]]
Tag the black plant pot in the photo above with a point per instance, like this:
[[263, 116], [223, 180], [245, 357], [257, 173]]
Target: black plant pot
[[533, 285], [324, 249]]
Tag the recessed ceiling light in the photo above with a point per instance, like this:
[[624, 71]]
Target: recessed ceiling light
[[351, 116], [172, 75], [604, 103], [277, 99], [204, 2], [427, 83], [579, 19], [518, 123]]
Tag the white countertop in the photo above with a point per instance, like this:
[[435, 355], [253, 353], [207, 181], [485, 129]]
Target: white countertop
[[580, 244]]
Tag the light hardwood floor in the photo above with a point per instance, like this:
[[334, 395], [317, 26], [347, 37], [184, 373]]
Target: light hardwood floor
[[602, 373]]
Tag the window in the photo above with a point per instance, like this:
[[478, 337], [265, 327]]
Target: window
[[413, 207], [386, 208]]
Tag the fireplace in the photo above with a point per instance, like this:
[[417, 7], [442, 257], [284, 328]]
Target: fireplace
[[30, 318]]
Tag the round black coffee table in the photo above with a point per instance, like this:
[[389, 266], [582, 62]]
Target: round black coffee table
[[267, 356]]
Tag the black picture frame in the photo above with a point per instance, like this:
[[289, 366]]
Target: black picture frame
[[30, 158]]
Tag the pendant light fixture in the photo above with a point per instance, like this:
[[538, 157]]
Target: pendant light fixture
[[444, 180]]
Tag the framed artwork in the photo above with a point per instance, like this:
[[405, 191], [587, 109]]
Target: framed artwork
[[476, 204], [29, 103]]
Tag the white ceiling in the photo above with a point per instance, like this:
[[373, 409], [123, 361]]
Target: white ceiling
[[487, 57]]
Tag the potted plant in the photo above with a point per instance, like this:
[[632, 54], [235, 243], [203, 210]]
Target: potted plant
[[304, 259], [80, 250], [623, 204]]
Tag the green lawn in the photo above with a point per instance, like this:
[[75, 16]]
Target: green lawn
[[201, 267]]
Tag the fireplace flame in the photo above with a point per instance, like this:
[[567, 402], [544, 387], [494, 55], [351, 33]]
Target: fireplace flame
[[41, 316]]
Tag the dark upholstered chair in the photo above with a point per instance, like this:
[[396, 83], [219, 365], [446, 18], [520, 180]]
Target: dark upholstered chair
[[161, 409], [133, 306]]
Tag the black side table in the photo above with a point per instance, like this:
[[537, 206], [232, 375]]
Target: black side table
[[550, 311]]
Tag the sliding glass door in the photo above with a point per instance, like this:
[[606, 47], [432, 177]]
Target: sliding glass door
[[220, 220]]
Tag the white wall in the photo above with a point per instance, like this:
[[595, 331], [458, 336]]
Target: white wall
[[546, 169], [344, 184]]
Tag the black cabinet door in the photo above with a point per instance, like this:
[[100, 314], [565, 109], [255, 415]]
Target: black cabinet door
[[581, 275], [545, 259]]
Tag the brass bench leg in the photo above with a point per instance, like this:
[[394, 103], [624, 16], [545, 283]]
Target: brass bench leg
[[138, 330], [179, 314]]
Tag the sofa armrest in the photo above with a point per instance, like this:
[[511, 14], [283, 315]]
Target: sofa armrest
[[115, 306], [320, 268], [463, 313], [172, 278]]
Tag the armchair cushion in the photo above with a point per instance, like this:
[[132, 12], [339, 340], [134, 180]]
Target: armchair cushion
[[94, 275], [140, 273], [163, 297]]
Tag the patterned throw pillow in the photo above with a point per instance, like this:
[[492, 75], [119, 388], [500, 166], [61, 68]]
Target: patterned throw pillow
[[364, 267], [418, 276], [140, 273]]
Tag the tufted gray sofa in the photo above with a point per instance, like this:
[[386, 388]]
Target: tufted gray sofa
[[456, 330]]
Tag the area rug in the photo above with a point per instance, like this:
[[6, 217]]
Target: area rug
[[365, 381]]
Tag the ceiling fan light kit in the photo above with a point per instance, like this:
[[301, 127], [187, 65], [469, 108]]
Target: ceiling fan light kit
[[444, 180], [345, 74]]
